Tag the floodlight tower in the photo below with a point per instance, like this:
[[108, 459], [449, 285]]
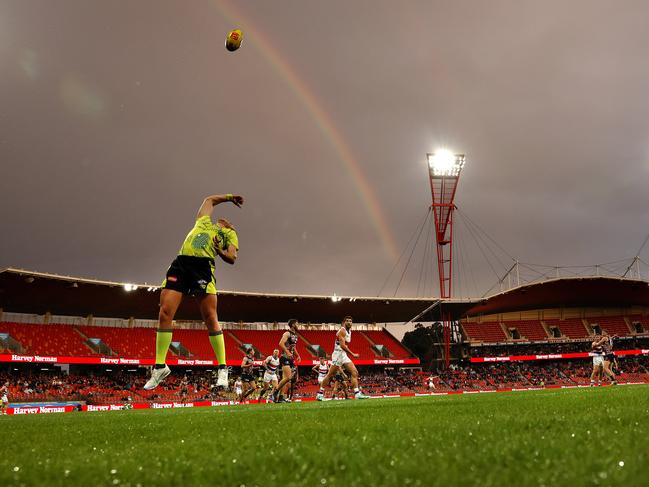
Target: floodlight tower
[[444, 169]]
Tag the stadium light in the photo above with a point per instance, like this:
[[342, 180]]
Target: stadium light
[[130, 287], [444, 163]]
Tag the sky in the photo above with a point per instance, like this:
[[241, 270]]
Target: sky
[[117, 118]]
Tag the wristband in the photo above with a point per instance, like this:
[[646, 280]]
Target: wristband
[[228, 197]]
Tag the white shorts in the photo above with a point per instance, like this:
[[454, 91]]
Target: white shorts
[[340, 358], [598, 360], [321, 378], [5, 399], [238, 391], [268, 377]]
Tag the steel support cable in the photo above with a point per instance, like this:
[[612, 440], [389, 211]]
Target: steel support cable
[[480, 248], [465, 253], [502, 249], [468, 270], [500, 280], [532, 269], [637, 255], [463, 282], [428, 272], [464, 257], [424, 257], [565, 267], [477, 243], [455, 270], [403, 252], [428, 263], [487, 246], [405, 269]]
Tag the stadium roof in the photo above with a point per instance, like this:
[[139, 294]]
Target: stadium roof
[[25, 291], [568, 292]]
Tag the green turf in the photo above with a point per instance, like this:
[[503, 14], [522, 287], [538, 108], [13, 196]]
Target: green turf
[[553, 437]]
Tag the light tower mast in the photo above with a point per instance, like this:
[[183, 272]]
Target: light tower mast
[[444, 170]]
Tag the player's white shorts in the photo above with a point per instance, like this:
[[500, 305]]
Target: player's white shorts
[[321, 378], [5, 399], [598, 360], [340, 358], [268, 377], [238, 391]]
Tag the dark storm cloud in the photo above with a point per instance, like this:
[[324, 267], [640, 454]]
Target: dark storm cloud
[[116, 118]]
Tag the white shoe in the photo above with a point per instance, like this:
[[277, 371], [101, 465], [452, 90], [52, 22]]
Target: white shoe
[[360, 395], [157, 376], [222, 380], [319, 397]]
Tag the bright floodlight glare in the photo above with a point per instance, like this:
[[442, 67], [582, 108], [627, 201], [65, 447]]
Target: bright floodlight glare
[[127, 287], [444, 163]]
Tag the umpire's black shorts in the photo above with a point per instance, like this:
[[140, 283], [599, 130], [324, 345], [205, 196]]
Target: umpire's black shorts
[[191, 276]]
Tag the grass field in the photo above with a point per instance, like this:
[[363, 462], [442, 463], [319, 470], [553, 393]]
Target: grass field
[[552, 437]]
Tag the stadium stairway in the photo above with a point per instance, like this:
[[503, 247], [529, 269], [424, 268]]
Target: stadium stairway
[[231, 337], [570, 327], [530, 329], [307, 346], [124, 342], [373, 345], [389, 341], [613, 325], [489, 332], [50, 339]]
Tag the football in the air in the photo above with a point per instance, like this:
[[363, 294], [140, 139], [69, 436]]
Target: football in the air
[[233, 40]]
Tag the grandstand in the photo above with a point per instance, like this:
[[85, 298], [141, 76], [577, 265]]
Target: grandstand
[[139, 343], [539, 337]]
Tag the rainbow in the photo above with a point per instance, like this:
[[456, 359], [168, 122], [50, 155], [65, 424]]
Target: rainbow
[[255, 37]]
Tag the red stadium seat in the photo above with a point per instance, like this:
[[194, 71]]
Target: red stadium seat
[[614, 325], [51, 339], [571, 327], [384, 337], [530, 329], [489, 332], [125, 342]]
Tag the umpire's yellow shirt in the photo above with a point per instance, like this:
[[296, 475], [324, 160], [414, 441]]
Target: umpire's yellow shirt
[[199, 242]]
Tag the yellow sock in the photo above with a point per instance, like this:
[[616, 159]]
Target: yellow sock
[[218, 345], [162, 342]]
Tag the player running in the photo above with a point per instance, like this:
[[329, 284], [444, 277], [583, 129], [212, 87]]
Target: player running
[[184, 389], [4, 399], [192, 274], [321, 369], [288, 346], [238, 389], [248, 374], [340, 360], [271, 364], [293, 383], [609, 357], [340, 384]]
